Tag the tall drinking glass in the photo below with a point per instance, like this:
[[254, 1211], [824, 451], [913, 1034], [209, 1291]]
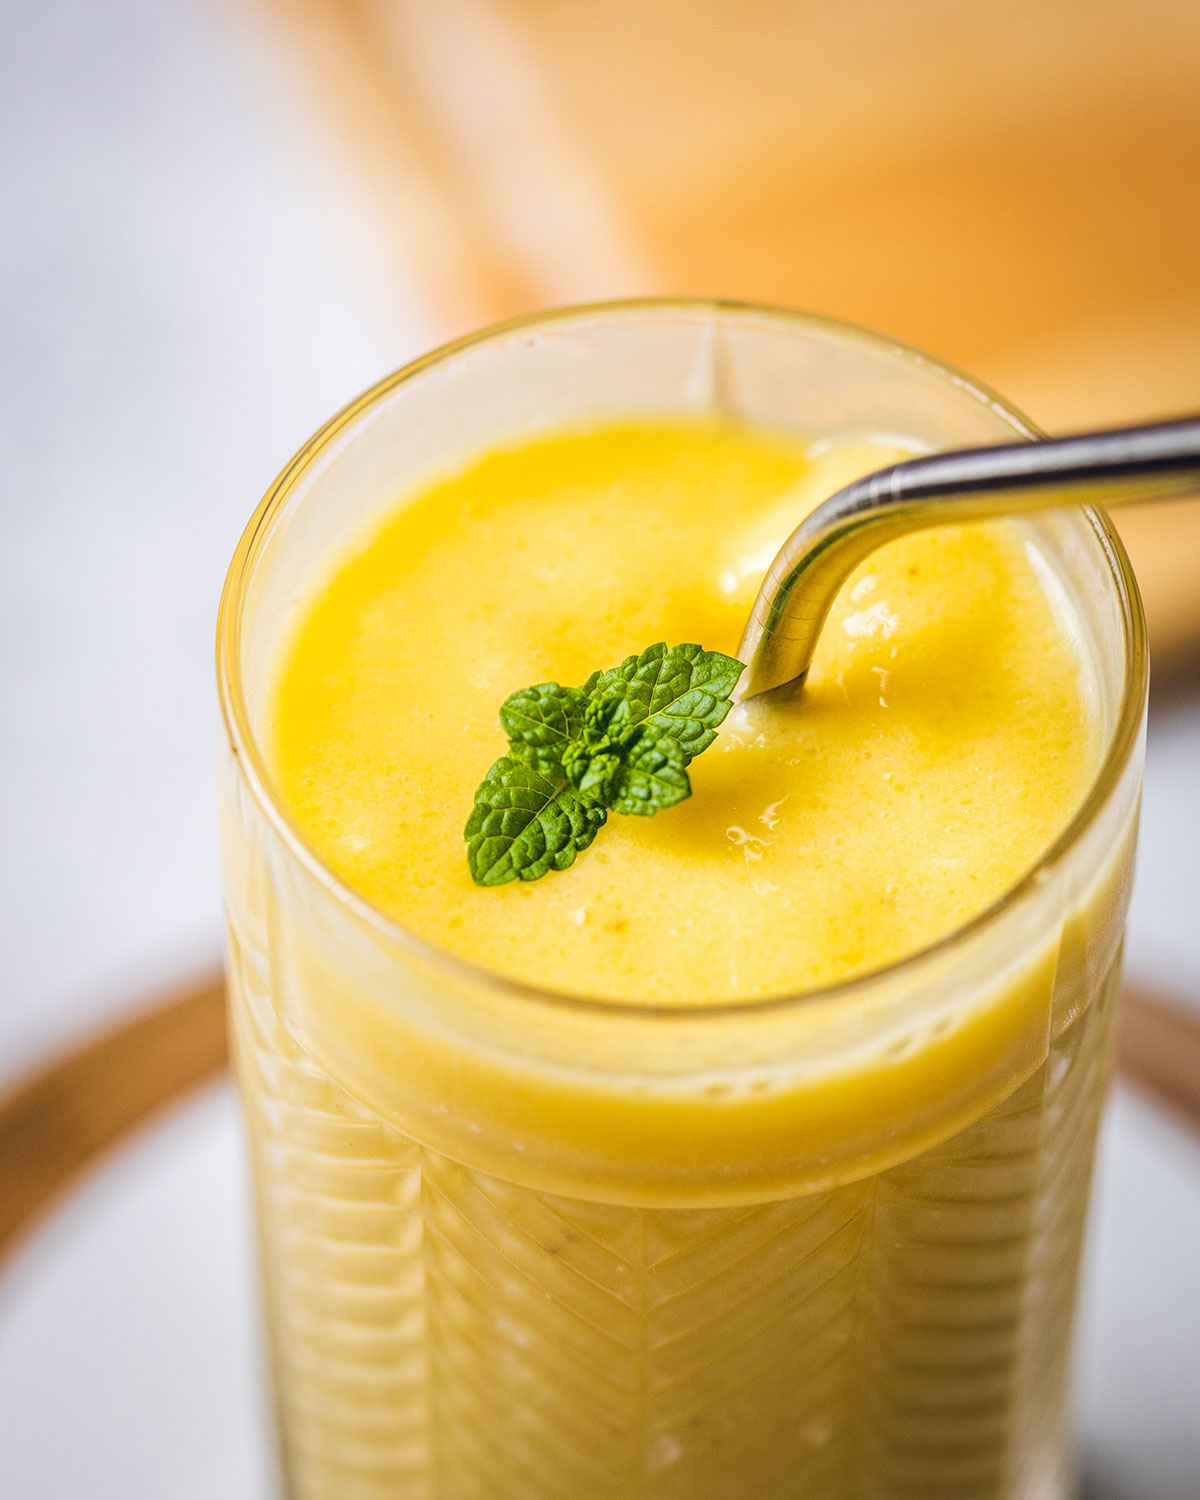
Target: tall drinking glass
[[518, 1244]]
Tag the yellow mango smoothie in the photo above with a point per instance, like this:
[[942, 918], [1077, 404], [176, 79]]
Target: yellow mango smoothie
[[749, 1155], [942, 742]]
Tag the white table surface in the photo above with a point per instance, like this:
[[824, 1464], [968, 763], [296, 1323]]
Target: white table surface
[[189, 286]]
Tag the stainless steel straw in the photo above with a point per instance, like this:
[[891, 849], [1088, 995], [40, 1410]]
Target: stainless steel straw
[[1124, 466]]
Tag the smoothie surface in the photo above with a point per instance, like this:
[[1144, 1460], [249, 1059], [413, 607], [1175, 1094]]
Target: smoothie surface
[[942, 742]]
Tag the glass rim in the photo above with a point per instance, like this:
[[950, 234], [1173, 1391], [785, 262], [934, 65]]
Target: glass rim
[[252, 764]]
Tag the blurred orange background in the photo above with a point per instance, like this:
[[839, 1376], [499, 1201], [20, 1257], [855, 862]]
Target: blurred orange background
[[1014, 188]]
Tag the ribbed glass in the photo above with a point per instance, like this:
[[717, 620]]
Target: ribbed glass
[[710, 1278]]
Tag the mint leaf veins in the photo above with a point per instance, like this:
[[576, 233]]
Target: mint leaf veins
[[541, 721], [526, 822], [622, 742]]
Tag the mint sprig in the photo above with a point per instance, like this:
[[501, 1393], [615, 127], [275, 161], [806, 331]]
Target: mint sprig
[[622, 742]]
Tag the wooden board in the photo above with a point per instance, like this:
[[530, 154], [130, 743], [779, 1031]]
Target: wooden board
[[57, 1122]]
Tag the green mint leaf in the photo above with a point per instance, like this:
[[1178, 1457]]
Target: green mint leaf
[[631, 767], [683, 691], [592, 772], [652, 775], [541, 721], [593, 758], [623, 742], [608, 719], [526, 823]]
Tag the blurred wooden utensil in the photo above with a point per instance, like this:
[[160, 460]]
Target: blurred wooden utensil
[[990, 183], [1012, 188]]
